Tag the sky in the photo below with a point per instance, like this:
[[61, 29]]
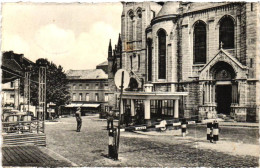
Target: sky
[[73, 35]]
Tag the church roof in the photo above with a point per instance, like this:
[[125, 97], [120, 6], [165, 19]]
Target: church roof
[[168, 8], [103, 63], [86, 74]]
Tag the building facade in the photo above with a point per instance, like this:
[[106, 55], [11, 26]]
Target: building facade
[[14, 69], [207, 50], [89, 90]]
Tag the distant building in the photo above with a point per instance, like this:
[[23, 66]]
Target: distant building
[[88, 89]]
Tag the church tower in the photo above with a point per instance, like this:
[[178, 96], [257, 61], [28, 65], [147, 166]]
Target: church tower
[[136, 17]]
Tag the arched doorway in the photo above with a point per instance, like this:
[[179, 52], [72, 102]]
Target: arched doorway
[[133, 84], [224, 76]]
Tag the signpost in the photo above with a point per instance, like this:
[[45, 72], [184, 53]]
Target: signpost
[[121, 81]]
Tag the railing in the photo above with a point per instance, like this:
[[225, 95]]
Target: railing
[[20, 127]]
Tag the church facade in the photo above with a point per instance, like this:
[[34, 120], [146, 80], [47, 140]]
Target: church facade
[[196, 60]]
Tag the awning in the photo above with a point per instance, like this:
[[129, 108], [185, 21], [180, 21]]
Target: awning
[[90, 105], [82, 105], [73, 105]]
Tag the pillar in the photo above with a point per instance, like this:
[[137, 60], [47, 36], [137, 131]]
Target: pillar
[[122, 107], [147, 113], [132, 108], [176, 108], [210, 92], [172, 87], [122, 112], [214, 94], [207, 92]]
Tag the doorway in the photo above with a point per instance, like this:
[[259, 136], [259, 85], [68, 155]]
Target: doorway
[[223, 97]]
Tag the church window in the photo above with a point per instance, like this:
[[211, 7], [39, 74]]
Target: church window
[[149, 50], [131, 25], [226, 33], [139, 61], [162, 54], [131, 62], [199, 45], [139, 13], [139, 26]]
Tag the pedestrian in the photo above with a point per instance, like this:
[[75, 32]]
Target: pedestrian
[[127, 117], [78, 119], [110, 119]]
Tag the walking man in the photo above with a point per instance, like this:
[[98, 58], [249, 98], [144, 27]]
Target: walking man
[[78, 119], [110, 118]]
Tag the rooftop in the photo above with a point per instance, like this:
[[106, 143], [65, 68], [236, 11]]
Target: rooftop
[[86, 74], [103, 63]]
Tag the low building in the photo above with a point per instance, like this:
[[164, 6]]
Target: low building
[[89, 90]]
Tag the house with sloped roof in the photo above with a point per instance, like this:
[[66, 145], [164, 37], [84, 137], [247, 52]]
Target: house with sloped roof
[[104, 66], [89, 90], [13, 69]]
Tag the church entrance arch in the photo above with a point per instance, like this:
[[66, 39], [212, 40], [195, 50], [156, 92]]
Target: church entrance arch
[[133, 84], [223, 87], [224, 75]]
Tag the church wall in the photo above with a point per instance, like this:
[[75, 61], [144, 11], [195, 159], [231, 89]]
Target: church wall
[[167, 26], [211, 19], [251, 34], [179, 49]]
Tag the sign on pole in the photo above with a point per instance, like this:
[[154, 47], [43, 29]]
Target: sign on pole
[[122, 81], [118, 79]]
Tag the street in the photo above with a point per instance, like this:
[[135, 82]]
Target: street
[[238, 147]]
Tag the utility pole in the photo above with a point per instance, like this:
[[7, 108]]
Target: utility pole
[[119, 121], [42, 95]]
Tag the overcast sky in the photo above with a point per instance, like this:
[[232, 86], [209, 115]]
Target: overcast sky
[[74, 35]]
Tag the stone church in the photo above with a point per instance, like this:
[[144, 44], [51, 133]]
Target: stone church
[[188, 60]]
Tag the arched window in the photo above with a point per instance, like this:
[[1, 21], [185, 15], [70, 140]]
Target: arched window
[[162, 54], [130, 25], [131, 62], [149, 53], [200, 45], [139, 24], [226, 33]]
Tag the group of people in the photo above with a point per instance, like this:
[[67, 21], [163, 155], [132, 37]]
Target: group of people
[[110, 119]]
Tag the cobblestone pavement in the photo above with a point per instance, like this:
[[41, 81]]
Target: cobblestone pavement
[[89, 148]]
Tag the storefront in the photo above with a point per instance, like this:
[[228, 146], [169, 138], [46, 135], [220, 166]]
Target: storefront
[[85, 108]]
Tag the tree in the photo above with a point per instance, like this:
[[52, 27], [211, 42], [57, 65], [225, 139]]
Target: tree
[[57, 90]]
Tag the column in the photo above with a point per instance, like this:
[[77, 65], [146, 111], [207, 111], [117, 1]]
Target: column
[[147, 111], [122, 107], [122, 111], [214, 94], [207, 92], [172, 87], [132, 108], [210, 93], [176, 108]]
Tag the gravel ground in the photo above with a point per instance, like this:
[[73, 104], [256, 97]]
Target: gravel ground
[[89, 147]]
